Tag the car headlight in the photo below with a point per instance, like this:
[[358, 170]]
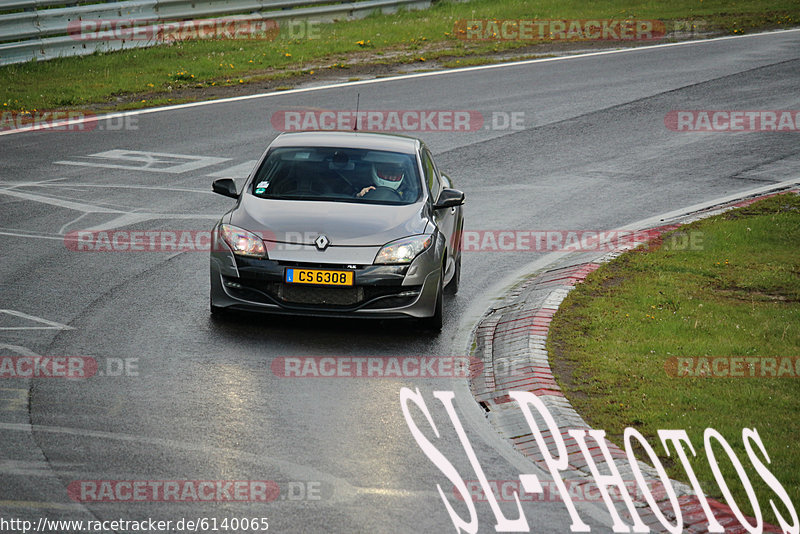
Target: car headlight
[[404, 250], [242, 242]]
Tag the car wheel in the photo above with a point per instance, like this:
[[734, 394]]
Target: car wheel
[[434, 322], [452, 287]]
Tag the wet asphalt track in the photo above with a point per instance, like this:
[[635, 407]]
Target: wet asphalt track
[[204, 403]]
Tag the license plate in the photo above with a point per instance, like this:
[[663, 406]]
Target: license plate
[[319, 277]]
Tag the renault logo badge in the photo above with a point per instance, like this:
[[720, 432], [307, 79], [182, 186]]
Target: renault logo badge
[[322, 242]]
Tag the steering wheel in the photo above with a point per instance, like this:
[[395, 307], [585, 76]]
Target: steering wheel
[[383, 193]]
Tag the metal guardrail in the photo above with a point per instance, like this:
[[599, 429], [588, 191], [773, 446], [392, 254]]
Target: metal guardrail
[[39, 29]]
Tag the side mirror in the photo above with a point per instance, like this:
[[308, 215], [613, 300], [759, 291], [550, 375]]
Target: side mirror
[[449, 198], [225, 187]]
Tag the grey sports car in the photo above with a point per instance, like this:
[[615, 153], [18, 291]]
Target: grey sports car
[[339, 224]]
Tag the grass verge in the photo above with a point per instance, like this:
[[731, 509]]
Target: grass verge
[[737, 295], [197, 70]]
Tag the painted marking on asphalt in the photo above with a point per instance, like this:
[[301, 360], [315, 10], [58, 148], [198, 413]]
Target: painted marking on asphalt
[[61, 203], [50, 325], [137, 160], [60, 237], [42, 183], [135, 218], [238, 171], [131, 160], [65, 226], [343, 489], [37, 505], [18, 349], [13, 185], [124, 217], [40, 468], [13, 400], [24, 468], [389, 79]]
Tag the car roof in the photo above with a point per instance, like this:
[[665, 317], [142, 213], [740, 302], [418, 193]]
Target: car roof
[[348, 139]]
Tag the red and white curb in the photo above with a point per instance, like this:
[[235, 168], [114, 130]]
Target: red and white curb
[[510, 342]]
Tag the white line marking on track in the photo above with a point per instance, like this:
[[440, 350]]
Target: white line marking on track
[[238, 171], [136, 218], [389, 79], [13, 400], [137, 160], [34, 236], [18, 349], [77, 206], [36, 505], [51, 325], [126, 219], [40, 468], [65, 226], [108, 226], [343, 489], [13, 185], [35, 183]]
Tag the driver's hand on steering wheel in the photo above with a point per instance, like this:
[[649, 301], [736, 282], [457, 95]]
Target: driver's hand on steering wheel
[[365, 191]]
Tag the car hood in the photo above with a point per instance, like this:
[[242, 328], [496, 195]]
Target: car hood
[[343, 223]]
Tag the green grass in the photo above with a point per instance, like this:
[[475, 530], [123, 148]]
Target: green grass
[[407, 37], [737, 296]]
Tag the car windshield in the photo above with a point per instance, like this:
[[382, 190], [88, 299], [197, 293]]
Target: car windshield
[[338, 175]]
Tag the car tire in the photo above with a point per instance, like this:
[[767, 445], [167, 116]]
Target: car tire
[[434, 322], [452, 287]]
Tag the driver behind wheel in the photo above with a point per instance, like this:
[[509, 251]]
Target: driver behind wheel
[[389, 175]]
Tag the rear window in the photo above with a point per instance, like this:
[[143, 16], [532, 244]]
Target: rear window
[[338, 175]]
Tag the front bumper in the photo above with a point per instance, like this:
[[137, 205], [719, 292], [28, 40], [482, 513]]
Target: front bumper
[[379, 291]]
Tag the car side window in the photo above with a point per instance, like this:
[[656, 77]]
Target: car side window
[[431, 177]]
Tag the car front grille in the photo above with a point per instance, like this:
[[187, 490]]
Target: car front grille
[[321, 296]]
